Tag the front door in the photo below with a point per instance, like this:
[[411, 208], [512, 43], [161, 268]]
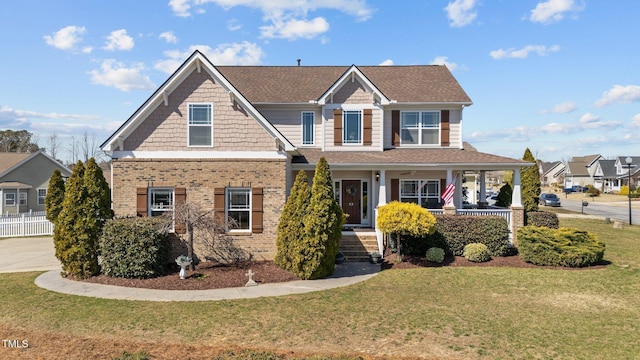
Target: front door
[[351, 204]]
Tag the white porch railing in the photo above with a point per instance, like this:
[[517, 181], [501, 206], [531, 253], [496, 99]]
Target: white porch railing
[[25, 225]]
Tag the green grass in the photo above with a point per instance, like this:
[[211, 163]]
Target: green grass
[[446, 312]]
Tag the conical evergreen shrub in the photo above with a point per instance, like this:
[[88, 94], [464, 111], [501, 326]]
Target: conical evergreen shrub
[[55, 196], [98, 201], [530, 183], [291, 226]]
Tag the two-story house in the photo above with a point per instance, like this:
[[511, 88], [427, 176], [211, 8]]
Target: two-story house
[[232, 138]]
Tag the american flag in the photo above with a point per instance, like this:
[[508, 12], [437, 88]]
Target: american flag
[[447, 195]]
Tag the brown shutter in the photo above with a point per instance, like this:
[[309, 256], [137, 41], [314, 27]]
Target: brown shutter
[[180, 195], [256, 210], [337, 127], [443, 185], [395, 190], [367, 115], [395, 127], [141, 202], [444, 125], [218, 204]]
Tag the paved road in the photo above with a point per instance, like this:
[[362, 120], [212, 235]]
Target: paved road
[[28, 254], [614, 210]]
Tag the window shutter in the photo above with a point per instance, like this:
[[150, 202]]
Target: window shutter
[[141, 202], [367, 124], [218, 203], [395, 127], [444, 126], [337, 127], [256, 210], [443, 185], [395, 189], [180, 195]]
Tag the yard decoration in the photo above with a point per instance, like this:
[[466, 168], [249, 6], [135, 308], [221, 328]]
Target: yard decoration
[[289, 239], [183, 261], [405, 219], [530, 183]]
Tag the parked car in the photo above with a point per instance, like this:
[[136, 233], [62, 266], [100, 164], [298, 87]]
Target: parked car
[[549, 200]]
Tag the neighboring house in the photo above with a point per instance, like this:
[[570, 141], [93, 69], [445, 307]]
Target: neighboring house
[[622, 171], [551, 173], [580, 170], [232, 138], [24, 179], [605, 177]]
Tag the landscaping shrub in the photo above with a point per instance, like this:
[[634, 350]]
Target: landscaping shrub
[[542, 218], [530, 183], [418, 246], [134, 247], [435, 255], [504, 196], [624, 190], [559, 247], [460, 230], [408, 219], [593, 191], [476, 252], [291, 225]]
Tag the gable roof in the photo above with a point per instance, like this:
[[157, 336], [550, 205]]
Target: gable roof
[[300, 84], [577, 166], [608, 168], [10, 161], [196, 62]]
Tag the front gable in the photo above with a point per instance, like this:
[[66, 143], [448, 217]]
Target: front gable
[[353, 87]]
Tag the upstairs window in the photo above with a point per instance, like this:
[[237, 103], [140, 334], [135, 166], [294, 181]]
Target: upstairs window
[[420, 128], [200, 125], [308, 128], [352, 128]]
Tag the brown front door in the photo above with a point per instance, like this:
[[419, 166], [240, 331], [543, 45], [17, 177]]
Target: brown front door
[[351, 204]]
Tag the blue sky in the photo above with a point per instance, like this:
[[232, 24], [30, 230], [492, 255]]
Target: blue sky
[[557, 76]]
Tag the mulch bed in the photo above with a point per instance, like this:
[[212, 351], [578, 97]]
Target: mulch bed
[[211, 275]]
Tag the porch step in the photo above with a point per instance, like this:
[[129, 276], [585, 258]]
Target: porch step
[[356, 246]]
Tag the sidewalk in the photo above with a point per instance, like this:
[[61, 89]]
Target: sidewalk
[[345, 274]]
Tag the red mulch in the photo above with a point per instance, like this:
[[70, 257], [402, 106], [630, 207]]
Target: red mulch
[[210, 275]]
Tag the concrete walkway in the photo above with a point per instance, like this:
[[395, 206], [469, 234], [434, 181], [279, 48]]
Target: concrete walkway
[[345, 274], [38, 254]]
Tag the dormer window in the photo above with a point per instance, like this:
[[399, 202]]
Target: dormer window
[[420, 128]]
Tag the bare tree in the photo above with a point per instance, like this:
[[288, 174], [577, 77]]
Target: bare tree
[[54, 145]]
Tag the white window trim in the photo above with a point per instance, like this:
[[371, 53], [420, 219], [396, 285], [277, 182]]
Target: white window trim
[[150, 209], [344, 128], [226, 210], [189, 125], [420, 128], [25, 198], [421, 184], [313, 128], [6, 200], [44, 198]]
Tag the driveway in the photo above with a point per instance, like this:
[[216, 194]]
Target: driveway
[[28, 254]]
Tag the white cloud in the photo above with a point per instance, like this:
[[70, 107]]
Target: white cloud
[[66, 38], [589, 118], [115, 74], [554, 10], [244, 53], [234, 25], [461, 12], [169, 37], [563, 108], [387, 62], [635, 121], [119, 40], [523, 53], [87, 49], [180, 7], [294, 29], [7, 113], [442, 60], [619, 94]]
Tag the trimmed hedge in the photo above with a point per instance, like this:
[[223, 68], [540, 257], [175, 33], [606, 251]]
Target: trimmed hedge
[[542, 218], [477, 252], [435, 255], [134, 247], [559, 247], [459, 230]]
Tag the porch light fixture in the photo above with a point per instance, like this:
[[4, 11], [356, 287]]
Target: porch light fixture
[[629, 160], [377, 176]]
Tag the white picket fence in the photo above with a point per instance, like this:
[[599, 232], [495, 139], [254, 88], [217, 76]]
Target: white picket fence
[[27, 224]]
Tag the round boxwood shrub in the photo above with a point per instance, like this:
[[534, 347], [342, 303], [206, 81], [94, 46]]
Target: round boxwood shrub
[[134, 247], [477, 252], [559, 247], [435, 255]]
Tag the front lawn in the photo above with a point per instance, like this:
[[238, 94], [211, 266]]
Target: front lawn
[[432, 313]]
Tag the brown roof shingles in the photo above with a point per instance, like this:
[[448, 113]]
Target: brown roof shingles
[[299, 84], [9, 159]]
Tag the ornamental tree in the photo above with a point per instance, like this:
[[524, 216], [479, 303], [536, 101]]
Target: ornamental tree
[[402, 218], [322, 228], [530, 183], [98, 201], [291, 226], [55, 196]]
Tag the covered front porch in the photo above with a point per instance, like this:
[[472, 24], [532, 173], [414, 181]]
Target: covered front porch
[[363, 181]]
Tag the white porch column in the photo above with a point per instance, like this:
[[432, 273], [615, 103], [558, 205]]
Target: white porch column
[[457, 197], [516, 198], [483, 186], [382, 199]]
